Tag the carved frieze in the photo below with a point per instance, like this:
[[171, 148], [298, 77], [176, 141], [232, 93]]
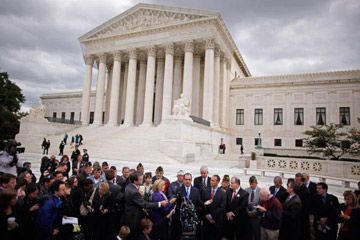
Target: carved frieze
[[146, 18]]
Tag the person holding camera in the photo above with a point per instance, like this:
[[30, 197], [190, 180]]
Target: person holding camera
[[9, 161]]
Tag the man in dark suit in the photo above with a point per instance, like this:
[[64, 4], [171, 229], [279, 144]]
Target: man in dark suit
[[189, 193], [134, 202], [203, 181], [214, 209], [326, 211], [278, 190], [123, 180], [307, 207], [309, 184], [237, 222]]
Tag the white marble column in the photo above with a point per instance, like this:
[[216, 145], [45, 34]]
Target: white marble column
[[227, 95], [195, 109], [188, 72], [123, 96], [159, 89], [149, 87], [100, 88], [130, 90], [224, 84], [168, 81], [140, 91], [108, 91], [208, 97], [85, 105], [216, 88], [115, 90], [177, 86]]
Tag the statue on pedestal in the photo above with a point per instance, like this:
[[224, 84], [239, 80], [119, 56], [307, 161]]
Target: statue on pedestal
[[181, 106]]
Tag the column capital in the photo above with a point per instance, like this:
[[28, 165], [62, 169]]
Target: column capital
[[102, 58], [189, 46], [117, 56], [151, 51], [89, 59], [210, 43], [169, 49], [109, 66], [133, 53], [161, 54], [217, 52]]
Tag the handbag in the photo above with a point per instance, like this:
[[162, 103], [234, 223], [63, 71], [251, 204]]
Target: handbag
[[84, 211]]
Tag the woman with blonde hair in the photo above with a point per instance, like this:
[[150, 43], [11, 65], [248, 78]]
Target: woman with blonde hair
[[350, 217], [160, 213]]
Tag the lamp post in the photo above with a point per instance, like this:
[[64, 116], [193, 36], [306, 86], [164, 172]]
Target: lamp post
[[259, 140]]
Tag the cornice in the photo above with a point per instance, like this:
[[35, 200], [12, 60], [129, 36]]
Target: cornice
[[207, 17]]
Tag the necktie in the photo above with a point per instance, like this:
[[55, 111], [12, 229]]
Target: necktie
[[233, 195], [212, 193], [204, 183], [276, 190], [187, 193], [252, 196]]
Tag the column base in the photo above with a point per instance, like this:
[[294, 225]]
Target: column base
[[127, 125], [97, 124], [147, 125], [111, 124]]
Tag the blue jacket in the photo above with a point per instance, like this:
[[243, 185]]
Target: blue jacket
[[159, 213], [48, 214]]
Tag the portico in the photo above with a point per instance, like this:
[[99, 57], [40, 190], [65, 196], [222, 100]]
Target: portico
[[150, 55]]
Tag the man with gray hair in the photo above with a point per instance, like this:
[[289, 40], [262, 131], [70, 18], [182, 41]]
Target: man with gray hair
[[271, 215], [203, 181], [278, 190]]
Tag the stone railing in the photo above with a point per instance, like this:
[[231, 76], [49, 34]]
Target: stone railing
[[63, 120], [333, 172]]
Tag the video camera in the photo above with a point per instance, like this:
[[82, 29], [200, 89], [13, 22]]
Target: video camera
[[11, 146], [188, 218]]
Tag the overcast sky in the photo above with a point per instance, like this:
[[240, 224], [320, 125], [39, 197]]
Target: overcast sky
[[39, 45]]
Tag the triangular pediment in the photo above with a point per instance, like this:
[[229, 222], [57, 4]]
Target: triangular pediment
[[146, 16]]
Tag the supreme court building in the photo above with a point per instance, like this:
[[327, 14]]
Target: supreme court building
[[156, 65]]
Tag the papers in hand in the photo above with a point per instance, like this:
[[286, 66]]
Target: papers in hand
[[208, 202], [70, 220]]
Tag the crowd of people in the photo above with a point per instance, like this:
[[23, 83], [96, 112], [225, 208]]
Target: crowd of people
[[138, 204]]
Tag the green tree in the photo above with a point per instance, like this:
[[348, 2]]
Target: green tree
[[354, 141], [330, 140], [10, 103]]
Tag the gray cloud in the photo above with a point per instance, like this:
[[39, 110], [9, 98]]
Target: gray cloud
[[40, 50]]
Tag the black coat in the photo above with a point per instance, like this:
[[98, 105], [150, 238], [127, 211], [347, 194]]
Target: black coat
[[195, 196], [217, 208], [330, 210], [312, 188], [281, 195], [239, 206], [199, 184], [290, 227], [134, 205]]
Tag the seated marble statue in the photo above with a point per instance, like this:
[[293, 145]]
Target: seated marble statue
[[181, 106]]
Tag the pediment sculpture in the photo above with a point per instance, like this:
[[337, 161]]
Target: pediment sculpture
[[145, 18], [36, 113]]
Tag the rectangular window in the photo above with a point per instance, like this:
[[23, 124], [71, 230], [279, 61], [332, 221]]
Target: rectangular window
[[54, 114], [278, 116], [298, 142], [344, 115], [239, 141], [299, 116], [91, 120], [258, 116], [103, 117], [320, 116], [256, 141], [239, 116], [277, 142], [63, 115]]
